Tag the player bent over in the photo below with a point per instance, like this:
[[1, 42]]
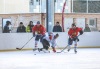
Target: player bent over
[[46, 42], [38, 32], [46, 45], [73, 36]]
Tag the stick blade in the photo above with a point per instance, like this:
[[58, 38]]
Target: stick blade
[[58, 52], [18, 48]]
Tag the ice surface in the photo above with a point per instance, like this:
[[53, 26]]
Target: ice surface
[[88, 58]]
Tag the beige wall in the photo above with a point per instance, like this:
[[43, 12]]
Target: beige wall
[[17, 18], [58, 17], [14, 6], [98, 23], [26, 17]]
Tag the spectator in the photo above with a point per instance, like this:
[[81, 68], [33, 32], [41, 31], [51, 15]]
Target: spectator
[[57, 28], [29, 27], [21, 28], [6, 27], [87, 29]]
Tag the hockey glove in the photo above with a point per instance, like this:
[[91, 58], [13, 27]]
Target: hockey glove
[[81, 32], [77, 39]]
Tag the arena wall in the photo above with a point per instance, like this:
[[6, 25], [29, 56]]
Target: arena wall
[[9, 41]]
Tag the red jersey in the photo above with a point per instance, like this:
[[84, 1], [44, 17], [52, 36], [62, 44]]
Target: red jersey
[[74, 32], [39, 30]]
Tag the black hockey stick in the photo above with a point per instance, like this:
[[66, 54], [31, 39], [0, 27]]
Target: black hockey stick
[[66, 47], [23, 45], [59, 49], [62, 50]]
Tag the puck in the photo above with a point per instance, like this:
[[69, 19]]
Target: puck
[[34, 54]]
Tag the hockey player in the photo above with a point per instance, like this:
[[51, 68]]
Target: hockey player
[[53, 42], [73, 36], [38, 32], [47, 40]]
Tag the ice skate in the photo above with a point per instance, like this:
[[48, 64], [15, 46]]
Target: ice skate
[[53, 49], [75, 51], [45, 51], [39, 49], [68, 48], [35, 49]]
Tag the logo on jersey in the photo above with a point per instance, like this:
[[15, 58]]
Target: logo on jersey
[[38, 32], [74, 34]]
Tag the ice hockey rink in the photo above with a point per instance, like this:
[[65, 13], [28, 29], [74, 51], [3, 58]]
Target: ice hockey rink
[[84, 13], [86, 58]]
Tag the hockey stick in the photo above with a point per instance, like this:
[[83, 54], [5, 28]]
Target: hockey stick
[[23, 45], [59, 49], [65, 47]]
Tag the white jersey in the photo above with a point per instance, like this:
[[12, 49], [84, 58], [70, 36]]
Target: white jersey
[[47, 38], [51, 40]]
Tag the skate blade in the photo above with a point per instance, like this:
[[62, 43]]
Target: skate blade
[[34, 49]]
